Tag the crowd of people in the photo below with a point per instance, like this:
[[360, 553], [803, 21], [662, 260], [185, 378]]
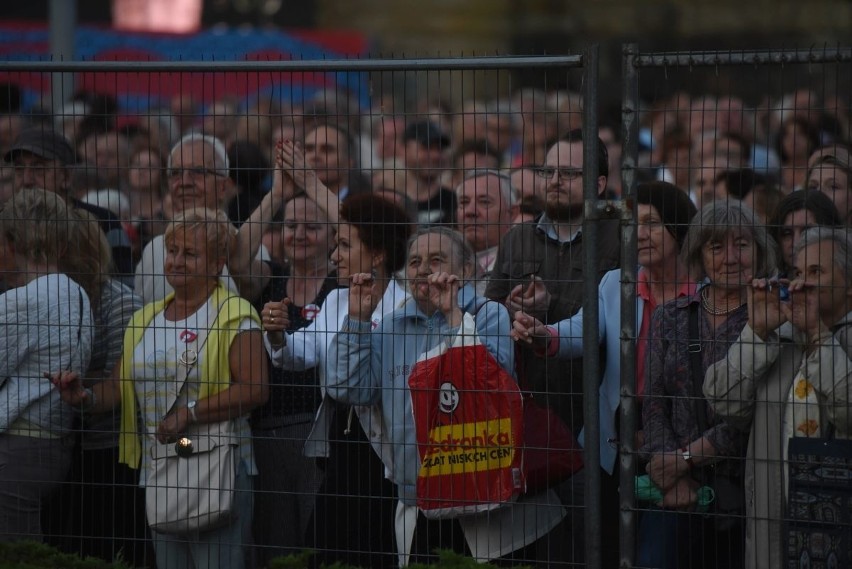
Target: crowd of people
[[321, 251]]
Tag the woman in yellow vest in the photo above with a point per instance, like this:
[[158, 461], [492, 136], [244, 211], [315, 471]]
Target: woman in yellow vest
[[215, 335]]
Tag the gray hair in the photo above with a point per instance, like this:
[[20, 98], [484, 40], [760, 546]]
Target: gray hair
[[507, 190], [505, 108], [536, 97], [714, 222], [220, 154], [838, 236], [464, 256]]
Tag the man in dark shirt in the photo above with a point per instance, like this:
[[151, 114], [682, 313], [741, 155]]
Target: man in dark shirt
[[425, 146], [539, 269], [42, 159]]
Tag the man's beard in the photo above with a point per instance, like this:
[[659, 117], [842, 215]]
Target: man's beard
[[563, 212]]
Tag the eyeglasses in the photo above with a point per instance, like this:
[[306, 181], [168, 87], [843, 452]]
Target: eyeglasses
[[570, 174], [194, 172]]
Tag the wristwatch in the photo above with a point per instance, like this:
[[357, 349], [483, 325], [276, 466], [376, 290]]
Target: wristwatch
[[191, 406], [687, 456]]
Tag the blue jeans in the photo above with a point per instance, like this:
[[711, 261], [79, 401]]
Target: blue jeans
[[656, 543], [687, 540], [221, 548]]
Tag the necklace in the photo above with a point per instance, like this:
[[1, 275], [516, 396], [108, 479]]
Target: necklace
[[705, 303]]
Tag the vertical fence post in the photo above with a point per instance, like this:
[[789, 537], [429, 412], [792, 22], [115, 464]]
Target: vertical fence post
[[591, 347], [628, 403], [63, 21]]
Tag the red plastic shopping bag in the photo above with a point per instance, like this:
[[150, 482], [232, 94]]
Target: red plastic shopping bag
[[468, 416]]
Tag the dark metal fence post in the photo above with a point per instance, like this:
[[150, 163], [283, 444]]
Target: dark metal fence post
[[629, 407], [591, 347], [63, 19]]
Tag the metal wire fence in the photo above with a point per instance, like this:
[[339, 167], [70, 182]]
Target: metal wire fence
[[333, 448]]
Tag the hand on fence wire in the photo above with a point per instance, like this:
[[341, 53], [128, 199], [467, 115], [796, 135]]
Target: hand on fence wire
[[275, 316], [532, 297], [803, 310], [364, 296], [444, 295], [765, 312], [529, 329]]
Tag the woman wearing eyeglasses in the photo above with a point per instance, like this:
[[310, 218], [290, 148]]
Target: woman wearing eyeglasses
[[225, 379]]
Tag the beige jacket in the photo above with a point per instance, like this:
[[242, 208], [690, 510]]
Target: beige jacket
[[750, 388]]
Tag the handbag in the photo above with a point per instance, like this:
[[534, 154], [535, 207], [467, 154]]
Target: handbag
[[189, 485], [194, 493], [818, 527], [551, 451], [468, 417]]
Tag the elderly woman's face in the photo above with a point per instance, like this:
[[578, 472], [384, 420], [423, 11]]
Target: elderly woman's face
[[189, 262], [815, 264], [729, 262], [430, 253]]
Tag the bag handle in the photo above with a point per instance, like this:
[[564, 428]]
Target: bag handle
[[697, 369]]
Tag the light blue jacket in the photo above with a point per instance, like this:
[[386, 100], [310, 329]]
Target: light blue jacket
[[373, 368], [570, 334]]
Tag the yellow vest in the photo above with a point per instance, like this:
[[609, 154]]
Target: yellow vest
[[215, 370]]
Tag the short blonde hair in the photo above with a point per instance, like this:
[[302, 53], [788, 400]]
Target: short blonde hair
[[217, 227], [35, 222]]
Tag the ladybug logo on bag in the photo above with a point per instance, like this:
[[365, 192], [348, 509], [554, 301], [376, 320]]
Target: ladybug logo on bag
[[448, 398]]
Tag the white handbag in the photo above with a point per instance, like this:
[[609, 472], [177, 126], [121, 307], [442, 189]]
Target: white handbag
[[189, 486], [194, 493]]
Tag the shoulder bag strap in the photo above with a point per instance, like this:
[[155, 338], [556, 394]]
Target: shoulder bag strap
[[186, 363], [80, 328], [697, 368]]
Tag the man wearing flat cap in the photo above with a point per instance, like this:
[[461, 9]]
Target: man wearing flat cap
[[42, 159], [425, 148]]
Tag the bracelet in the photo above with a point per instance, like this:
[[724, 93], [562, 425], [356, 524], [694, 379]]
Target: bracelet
[[91, 399], [687, 456], [191, 406]]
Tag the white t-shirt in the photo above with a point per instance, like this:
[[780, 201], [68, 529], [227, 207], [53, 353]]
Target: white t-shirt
[[155, 364]]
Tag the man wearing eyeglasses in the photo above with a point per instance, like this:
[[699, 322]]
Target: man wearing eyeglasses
[[197, 174], [539, 268], [43, 158]]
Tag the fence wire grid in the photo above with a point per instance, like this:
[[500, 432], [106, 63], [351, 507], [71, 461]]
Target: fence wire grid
[[249, 322]]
